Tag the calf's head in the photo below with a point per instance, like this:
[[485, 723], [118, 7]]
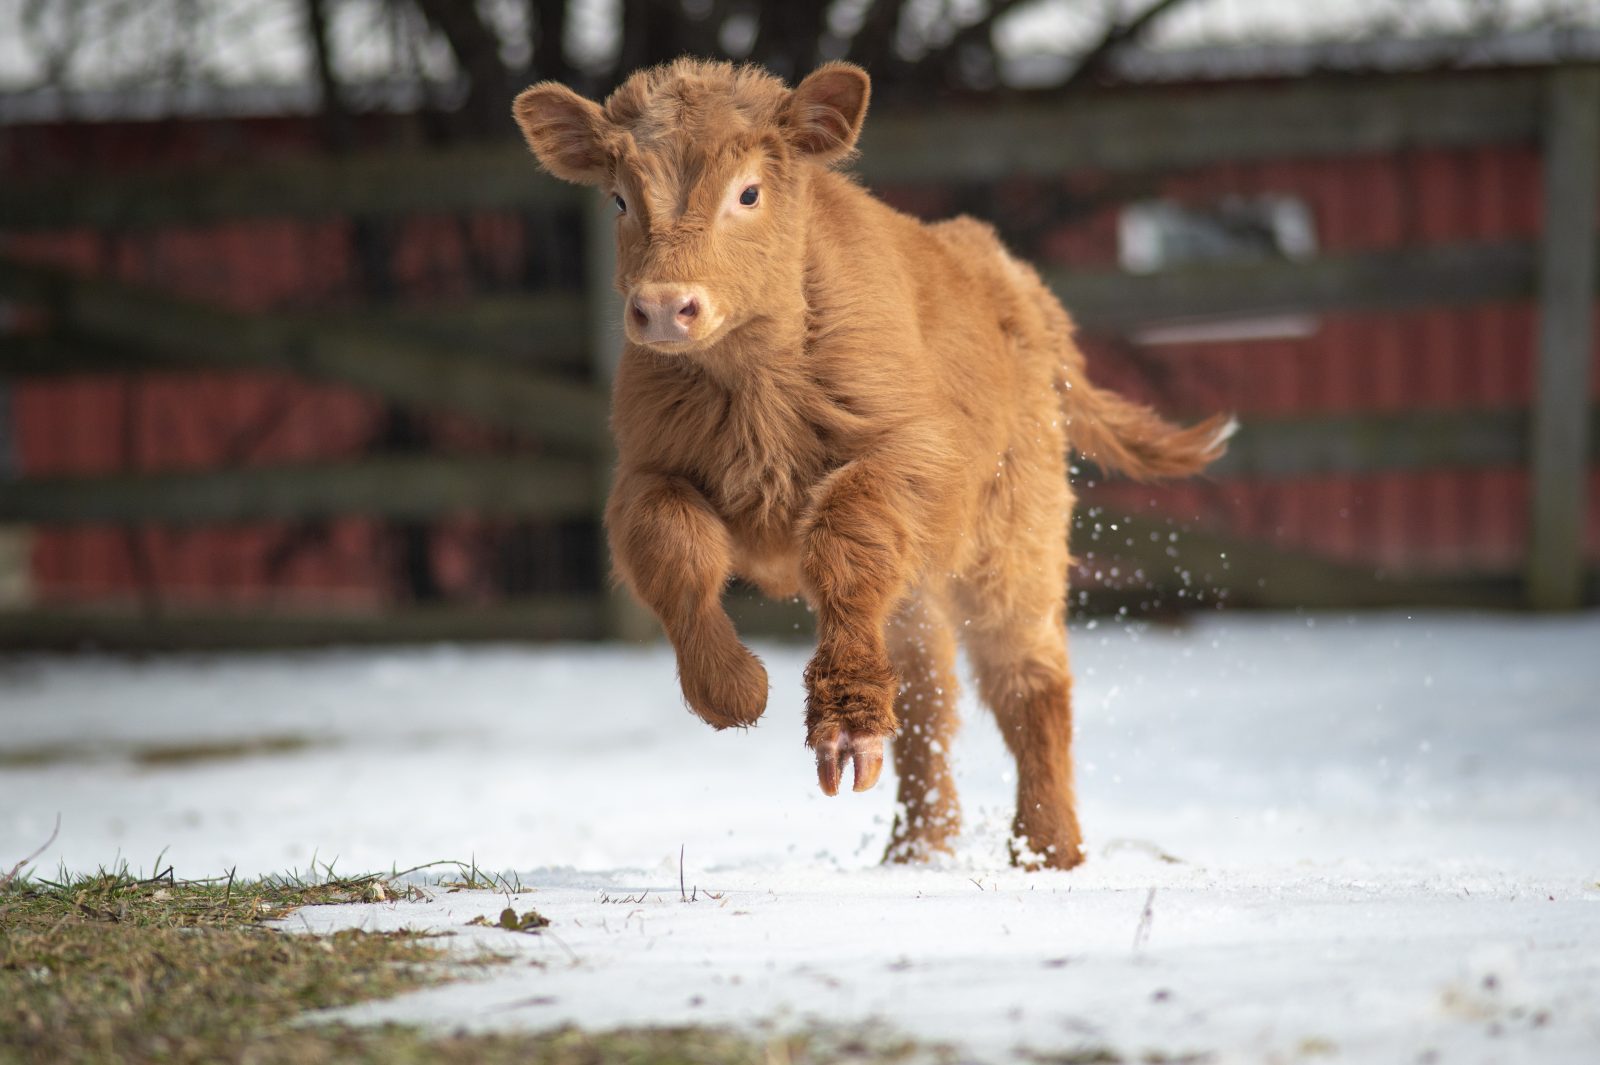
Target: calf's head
[[707, 164]]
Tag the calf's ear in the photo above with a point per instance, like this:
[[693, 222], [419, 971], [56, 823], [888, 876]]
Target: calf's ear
[[824, 113], [565, 131]]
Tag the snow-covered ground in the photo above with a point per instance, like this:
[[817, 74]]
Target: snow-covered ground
[[1387, 830]]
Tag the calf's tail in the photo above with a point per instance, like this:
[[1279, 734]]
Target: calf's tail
[[1119, 435]]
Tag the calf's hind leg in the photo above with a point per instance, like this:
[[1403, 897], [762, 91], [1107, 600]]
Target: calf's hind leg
[[1021, 666], [923, 652], [672, 550]]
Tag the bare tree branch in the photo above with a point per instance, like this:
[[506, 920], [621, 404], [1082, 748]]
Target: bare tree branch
[[975, 32], [1118, 35]]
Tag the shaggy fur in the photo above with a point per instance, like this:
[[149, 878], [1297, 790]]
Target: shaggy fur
[[829, 398]]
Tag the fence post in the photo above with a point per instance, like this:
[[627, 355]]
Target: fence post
[[624, 619], [16, 541], [1559, 474]]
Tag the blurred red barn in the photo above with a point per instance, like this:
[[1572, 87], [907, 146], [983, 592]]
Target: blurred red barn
[[1479, 357]]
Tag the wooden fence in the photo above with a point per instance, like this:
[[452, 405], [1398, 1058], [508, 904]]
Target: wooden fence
[[446, 361]]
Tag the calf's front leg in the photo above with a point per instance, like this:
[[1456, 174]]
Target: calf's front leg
[[855, 565], [672, 551]]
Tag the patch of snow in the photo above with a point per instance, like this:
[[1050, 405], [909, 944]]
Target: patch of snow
[[1388, 829]]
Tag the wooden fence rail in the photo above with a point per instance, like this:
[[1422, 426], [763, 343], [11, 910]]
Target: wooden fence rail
[[424, 486], [537, 487], [437, 357], [1448, 274], [409, 370], [135, 628], [1378, 443], [543, 334]]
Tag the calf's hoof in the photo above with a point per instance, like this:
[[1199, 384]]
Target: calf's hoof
[[1060, 850], [849, 710], [838, 747], [922, 839], [727, 691]]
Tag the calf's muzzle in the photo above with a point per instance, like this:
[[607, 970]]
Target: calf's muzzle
[[666, 313]]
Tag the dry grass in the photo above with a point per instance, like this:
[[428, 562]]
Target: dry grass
[[113, 968], [156, 755], [117, 969]]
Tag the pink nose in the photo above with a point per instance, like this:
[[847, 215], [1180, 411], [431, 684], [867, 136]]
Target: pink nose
[[663, 312]]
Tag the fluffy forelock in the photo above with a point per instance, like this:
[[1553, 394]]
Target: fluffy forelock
[[700, 98]]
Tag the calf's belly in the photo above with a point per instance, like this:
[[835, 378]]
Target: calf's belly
[[775, 573]]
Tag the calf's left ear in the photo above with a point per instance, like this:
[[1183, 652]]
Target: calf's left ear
[[824, 113], [565, 131]]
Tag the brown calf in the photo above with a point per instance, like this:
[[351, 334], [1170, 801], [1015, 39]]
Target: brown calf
[[829, 398]]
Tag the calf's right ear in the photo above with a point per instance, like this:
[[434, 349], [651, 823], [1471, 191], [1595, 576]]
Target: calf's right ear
[[566, 132]]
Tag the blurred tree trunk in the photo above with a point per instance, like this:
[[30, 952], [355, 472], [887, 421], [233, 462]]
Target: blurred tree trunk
[[789, 38], [873, 44], [337, 129], [652, 32], [476, 47], [547, 21]]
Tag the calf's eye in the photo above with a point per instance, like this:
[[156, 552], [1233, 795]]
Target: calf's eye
[[749, 196], [622, 206]]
